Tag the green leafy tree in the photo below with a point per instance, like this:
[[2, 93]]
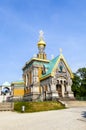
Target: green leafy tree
[[79, 83], [76, 85], [82, 74]]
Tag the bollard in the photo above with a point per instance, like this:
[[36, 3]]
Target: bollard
[[23, 108]]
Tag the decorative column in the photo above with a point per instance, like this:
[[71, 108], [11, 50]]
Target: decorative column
[[63, 90], [54, 92], [70, 93], [26, 80]]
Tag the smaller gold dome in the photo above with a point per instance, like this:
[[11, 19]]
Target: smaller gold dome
[[41, 42]]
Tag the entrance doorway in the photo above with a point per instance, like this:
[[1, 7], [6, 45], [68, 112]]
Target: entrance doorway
[[59, 89]]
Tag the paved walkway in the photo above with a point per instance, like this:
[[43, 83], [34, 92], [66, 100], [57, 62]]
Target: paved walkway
[[68, 119]]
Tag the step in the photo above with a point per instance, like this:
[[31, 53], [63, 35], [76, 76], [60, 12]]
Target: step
[[75, 103], [5, 106]]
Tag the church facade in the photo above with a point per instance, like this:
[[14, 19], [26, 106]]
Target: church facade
[[47, 79]]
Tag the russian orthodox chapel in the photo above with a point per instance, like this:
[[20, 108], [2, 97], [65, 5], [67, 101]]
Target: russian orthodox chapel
[[47, 79]]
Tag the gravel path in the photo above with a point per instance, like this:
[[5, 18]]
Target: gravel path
[[68, 119]]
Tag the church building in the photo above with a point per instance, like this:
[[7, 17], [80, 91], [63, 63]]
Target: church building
[[47, 79]]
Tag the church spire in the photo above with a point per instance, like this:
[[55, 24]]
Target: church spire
[[41, 46], [41, 39]]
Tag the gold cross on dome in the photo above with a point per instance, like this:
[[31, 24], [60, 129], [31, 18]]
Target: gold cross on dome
[[41, 33], [60, 50]]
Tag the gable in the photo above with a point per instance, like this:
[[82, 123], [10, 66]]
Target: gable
[[62, 66], [57, 64]]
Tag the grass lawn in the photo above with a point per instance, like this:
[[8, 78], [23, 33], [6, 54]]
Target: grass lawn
[[38, 106]]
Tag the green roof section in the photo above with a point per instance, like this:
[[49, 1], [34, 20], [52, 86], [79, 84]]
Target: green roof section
[[50, 66], [18, 82], [34, 59]]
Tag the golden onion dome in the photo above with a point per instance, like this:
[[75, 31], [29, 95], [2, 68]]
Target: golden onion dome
[[41, 42]]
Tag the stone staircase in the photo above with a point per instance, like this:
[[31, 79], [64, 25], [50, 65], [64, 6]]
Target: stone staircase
[[73, 103], [6, 106]]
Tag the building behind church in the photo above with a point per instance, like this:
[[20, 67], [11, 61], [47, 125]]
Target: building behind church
[[47, 79]]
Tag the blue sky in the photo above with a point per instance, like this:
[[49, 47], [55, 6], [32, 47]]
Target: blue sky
[[64, 26]]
